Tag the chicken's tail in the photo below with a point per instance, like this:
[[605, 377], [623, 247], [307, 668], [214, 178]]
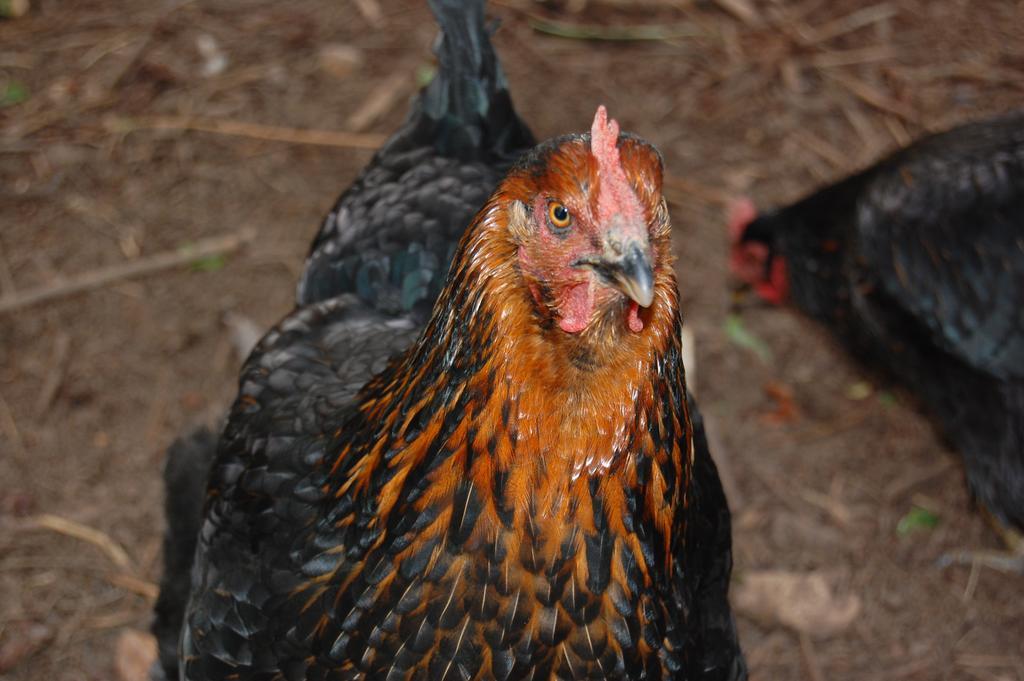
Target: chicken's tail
[[466, 110], [185, 474]]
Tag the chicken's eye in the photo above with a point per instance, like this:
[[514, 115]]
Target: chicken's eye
[[559, 215]]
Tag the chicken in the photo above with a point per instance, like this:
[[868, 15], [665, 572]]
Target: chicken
[[391, 235], [523, 492], [188, 462], [917, 264]]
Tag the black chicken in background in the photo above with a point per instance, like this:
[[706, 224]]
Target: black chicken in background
[[917, 265]]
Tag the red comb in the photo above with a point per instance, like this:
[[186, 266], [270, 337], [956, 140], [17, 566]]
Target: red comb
[[616, 194], [741, 213]]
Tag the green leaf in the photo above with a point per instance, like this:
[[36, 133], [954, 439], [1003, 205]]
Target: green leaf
[[210, 263], [424, 74], [887, 399], [738, 334], [917, 518], [14, 93]]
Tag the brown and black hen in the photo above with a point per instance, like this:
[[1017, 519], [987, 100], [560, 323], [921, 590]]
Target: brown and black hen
[[917, 264], [523, 493]]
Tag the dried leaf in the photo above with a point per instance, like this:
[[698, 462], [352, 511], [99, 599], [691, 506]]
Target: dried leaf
[[786, 410], [861, 390], [134, 655], [340, 60], [245, 333], [21, 640], [804, 602]]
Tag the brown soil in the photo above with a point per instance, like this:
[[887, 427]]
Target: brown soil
[[803, 92]]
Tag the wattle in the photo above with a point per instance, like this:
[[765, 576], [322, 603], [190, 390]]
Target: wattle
[[576, 308]]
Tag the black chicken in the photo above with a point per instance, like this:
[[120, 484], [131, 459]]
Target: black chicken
[[917, 264]]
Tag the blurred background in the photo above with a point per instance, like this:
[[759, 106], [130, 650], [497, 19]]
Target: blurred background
[[164, 165]]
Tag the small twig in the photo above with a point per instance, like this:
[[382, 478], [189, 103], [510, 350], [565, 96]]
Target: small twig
[[833, 507], [872, 96], [370, 9], [147, 34], [742, 10], [972, 582], [898, 131], [564, 29], [380, 101], [901, 486], [158, 407], [872, 140], [810, 658], [55, 376], [136, 268], [140, 587], [326, 138], [976, 71], [823, 149], [6, 278], [88, 534], [48, 117], [851, 22], [861, 55], [10, 427], [112, 620]]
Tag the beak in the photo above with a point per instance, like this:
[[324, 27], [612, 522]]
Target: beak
[[627, 267]]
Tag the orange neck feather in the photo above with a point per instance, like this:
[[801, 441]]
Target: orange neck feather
[[494, 392]]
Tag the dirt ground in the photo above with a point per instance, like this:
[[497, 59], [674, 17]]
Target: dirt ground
[[763, 97]]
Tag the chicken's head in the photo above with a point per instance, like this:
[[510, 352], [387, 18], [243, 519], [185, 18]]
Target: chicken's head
[[591, 228], [751, 258]]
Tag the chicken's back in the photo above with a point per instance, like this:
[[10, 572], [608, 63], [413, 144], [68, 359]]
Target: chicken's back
[[391, 235]]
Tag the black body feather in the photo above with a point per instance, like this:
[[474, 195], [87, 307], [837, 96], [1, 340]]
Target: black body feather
[[917, 264]]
